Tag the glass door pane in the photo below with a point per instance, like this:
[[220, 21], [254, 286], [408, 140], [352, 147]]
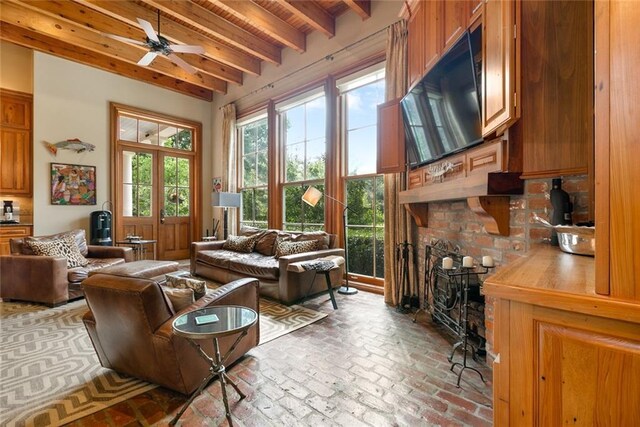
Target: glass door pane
[[177, 175], [137, 184]]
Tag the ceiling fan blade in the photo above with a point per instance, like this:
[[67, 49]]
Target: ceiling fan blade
[[182, 48], [124, 39], [148, 29], [147, 58], [180, 63]]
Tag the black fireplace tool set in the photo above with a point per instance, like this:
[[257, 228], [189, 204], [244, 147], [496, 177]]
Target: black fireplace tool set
[[406, 297]]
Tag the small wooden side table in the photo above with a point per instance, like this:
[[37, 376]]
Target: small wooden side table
[[221, 321]]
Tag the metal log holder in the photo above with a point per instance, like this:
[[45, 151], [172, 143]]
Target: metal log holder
[[444, 289]]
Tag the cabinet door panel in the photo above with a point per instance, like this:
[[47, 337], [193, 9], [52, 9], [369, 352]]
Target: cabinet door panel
[[16, 112], [454, 21], [15, 157], [433, 32], [557, 88], [498, 65], [587, 378], [415, 45], [391, 149]]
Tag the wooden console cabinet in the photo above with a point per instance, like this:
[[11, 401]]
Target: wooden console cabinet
[[567, 327], [12, 232], [565, 355]]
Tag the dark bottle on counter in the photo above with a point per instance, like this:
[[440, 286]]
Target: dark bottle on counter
[[562, 208]]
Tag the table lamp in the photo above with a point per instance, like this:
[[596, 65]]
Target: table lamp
[[226, 201], [311, 197]]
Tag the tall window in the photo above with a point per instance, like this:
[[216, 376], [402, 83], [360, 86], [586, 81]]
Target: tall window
[[302, 130], [365, 190], [254, 171]]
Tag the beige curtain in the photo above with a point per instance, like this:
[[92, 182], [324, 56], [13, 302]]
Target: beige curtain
[[397, 222], [229, 166]]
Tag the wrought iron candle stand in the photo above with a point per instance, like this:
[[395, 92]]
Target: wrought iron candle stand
[[448, 288]]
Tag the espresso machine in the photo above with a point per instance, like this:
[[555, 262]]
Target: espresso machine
[[8, 213]]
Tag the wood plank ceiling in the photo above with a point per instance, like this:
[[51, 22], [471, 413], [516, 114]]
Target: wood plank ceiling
[[237, 35]]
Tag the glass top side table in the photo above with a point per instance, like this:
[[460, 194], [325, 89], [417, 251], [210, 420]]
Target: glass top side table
[[213, 323]]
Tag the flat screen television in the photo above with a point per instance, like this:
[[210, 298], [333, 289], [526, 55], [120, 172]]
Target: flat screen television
[[442, 112]]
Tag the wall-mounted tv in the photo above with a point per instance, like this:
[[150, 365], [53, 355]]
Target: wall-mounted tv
[[442, 112]]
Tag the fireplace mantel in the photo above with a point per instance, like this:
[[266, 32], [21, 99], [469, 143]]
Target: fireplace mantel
[[476, 176]]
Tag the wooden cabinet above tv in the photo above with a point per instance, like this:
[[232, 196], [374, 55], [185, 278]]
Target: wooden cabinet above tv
[[556, 127], [435, 25]]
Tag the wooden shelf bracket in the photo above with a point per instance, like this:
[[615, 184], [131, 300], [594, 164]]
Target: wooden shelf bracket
[[493, 211]]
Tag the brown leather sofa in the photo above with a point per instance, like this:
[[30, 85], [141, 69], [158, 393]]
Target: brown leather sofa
[[129, 322], [210, 260], [43, 279]]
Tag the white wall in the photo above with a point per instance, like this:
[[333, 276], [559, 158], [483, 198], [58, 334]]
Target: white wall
[[16, 64], [72, 101]]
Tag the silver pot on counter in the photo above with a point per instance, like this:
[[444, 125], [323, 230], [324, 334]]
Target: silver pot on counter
[[573, 239]]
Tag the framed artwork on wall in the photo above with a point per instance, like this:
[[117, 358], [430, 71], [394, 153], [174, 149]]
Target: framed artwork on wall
[[217, 184], [73, 184]]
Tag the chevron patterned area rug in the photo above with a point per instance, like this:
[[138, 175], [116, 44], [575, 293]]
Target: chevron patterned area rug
[[50, 374], [277, 320]]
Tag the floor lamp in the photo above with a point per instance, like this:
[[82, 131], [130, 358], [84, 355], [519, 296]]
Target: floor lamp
[[311, 197], [226, 201]]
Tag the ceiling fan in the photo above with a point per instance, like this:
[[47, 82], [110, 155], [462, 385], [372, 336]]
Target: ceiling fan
[[159, 45]]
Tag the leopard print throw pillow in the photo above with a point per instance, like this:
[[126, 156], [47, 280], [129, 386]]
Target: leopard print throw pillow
[[241, 243], [180, 281], [65, 247], [289, 248]]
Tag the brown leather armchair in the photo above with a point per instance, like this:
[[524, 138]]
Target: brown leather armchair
[[44, 279], [129, 322]]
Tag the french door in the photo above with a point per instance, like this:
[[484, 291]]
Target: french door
[[155, 190]]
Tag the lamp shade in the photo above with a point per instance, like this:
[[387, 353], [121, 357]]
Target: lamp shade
[[312, 196], [225, 200]]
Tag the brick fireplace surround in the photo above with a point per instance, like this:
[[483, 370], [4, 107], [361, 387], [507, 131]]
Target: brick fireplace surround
[[454, 221]]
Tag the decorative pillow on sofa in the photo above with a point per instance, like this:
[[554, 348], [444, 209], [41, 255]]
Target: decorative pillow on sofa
[[321, 237], [65, 247], [79, 235], [178, 281], [179, 298], [266, 244], [240, 243], [289, 248]]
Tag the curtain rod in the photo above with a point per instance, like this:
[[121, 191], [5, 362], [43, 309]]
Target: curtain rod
[[328, 57]]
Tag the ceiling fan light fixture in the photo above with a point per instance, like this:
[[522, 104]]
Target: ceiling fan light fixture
[[159, 45]]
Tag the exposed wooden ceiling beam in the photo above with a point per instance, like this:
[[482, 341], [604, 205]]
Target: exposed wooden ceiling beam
[[266, 22], [207, 21], [57, 28], [88, 18], [311, 13], [46, 44], [128, 12], [361, 7]]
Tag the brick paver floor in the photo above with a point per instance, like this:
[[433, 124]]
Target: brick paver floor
[[365, 364]]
